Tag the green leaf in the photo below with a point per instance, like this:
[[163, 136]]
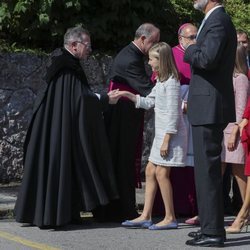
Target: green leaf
[[44, 18], [20, 7]]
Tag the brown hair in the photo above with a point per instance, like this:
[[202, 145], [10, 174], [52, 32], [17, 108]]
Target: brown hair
[[240, 60], [167, 67]]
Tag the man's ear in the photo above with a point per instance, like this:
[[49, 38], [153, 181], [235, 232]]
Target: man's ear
[[143, 39]]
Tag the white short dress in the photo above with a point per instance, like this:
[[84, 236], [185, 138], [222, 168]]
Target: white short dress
[[166, 100]]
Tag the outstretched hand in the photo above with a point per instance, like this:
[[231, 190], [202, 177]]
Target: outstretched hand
[[113, 96]]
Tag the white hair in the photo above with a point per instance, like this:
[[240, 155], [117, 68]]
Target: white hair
[[200, 4], [74, 34]]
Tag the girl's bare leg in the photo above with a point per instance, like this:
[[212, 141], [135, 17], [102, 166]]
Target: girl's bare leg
[[162, 176], [150, 191]]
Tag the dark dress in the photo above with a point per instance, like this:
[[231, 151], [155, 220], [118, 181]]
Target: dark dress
[[124, 125], [67, 162]]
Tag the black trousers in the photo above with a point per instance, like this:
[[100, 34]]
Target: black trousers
[[208, 179]]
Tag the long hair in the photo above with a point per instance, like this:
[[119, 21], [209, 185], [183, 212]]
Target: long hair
[[240, 60], [167, 67]]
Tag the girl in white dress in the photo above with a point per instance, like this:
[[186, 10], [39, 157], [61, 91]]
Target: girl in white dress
[[170, 142]]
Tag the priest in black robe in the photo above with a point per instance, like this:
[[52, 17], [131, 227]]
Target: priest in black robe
[[123, 121], [67, 161]]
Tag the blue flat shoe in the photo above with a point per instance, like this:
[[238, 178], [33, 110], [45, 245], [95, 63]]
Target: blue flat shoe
[[172, 225], [137, 224]]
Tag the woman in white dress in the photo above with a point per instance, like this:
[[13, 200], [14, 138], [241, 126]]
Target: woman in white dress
[[170, 142]]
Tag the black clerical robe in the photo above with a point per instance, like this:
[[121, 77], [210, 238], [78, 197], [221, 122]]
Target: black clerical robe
[[67, 162], [124, 125]]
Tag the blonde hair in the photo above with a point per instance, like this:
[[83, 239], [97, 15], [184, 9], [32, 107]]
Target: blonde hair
[[167, 67]]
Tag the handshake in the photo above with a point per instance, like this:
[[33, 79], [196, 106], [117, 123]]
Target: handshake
[[116, 94]]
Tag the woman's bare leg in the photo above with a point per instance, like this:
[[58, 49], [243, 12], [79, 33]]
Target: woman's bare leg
[[243, 214], [238, 173]]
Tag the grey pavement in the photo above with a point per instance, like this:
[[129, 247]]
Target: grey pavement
[[110, 236]]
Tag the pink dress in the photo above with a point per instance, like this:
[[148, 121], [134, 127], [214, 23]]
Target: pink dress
[[241, 87]]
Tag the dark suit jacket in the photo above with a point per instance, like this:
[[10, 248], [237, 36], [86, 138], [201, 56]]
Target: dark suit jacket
[[212, 58], [129, 68]]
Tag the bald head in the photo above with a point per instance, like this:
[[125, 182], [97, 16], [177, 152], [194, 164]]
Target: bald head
[[186, 28], [186, 33]]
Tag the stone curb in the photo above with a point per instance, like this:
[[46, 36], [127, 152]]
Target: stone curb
[[8, 195]]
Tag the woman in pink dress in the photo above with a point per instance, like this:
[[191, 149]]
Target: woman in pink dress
[[231, 140]]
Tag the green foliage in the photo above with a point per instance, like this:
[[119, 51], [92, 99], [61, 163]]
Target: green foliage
[[42, 23], [186, 12], [239, 11]]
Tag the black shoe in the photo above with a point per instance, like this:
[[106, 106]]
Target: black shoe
[[206, 241], [198, 234], [195, 234]]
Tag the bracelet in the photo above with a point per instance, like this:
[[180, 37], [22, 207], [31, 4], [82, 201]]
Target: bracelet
[[236, 124]]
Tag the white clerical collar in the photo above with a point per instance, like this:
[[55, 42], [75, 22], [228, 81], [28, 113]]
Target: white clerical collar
[[69, 51], [137, 47], [210, 11]]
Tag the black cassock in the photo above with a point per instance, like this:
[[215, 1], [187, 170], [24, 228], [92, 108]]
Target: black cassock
[[124, 126], [67, 162]]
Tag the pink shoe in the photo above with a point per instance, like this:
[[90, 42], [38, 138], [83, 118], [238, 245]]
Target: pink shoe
[[193, 221]]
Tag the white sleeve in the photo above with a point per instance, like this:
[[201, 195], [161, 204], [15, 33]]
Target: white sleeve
[[146, 102], [173, 102]]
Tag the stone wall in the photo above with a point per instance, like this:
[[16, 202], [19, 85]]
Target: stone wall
[[20, 82]]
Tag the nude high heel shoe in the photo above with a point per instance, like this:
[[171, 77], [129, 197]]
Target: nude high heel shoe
[[243, 224]]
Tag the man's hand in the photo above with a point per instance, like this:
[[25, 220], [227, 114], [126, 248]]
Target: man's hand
[[185, 44]]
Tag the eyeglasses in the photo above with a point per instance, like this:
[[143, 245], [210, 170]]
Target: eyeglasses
[[243, 42], [87, 44], [191, 37]]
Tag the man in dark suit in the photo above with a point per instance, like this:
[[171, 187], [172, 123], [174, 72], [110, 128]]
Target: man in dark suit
[[124, 122], [210, 108]]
